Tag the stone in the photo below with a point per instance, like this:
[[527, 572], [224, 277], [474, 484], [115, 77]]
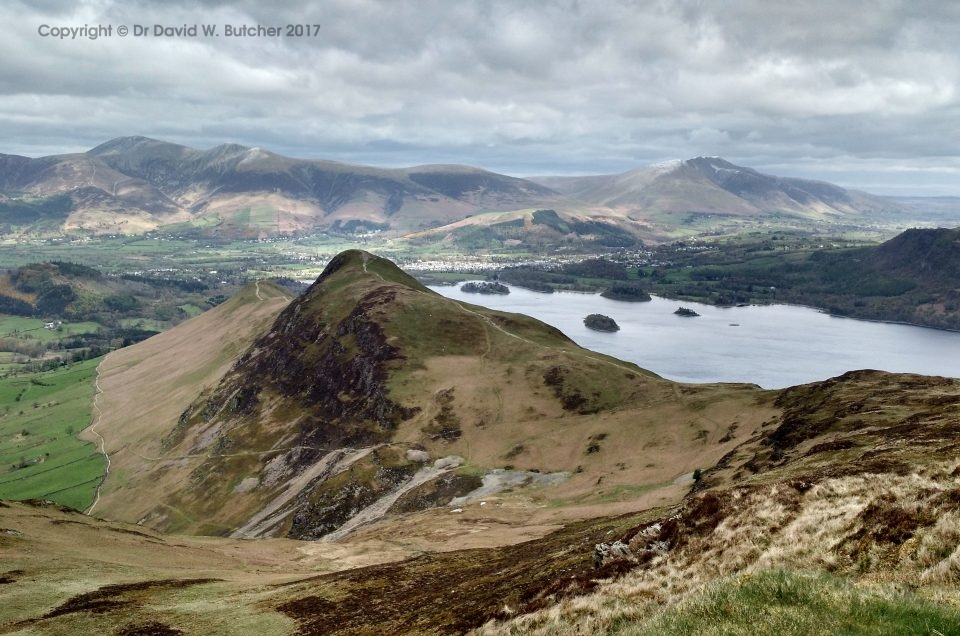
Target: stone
[[604, 553], [451, 461], [414, 455]]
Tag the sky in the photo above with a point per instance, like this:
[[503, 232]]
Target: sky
[[865, 94]]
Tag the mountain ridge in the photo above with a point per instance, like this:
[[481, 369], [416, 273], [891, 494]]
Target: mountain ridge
[[378, 417], [289, 195], [137, 184], [716, 186]]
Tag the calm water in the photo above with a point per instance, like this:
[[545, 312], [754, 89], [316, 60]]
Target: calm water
[[773, 346]]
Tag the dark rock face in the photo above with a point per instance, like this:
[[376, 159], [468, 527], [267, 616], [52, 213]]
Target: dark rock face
[[336, 501], [569, 396], [336, 372], [437, 492], [446, 425]]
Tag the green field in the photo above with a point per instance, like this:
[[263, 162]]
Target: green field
[[40, 417], [32, 328]]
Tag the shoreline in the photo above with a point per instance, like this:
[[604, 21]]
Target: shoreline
[[822, 310]]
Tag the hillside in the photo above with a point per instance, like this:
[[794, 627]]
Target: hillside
[[135, 184], [910, 278], [682, 190], [648, 204], [411, 464], [370, 395], [631, 504], [61, 311], [533, 229], [142, 386], [132, 185], [78, 191], [837, 515]]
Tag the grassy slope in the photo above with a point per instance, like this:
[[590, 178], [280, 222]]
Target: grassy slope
[[796, 604], [148, 385], [743, 560], [857, 478], [52, 407], [65, 573], [507, 414], [871, 554]]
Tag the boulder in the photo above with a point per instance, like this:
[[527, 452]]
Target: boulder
[[414, 455], [604, 553], [451, 461]]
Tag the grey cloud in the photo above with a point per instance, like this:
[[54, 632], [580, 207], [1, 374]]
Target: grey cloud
[[524, 87]]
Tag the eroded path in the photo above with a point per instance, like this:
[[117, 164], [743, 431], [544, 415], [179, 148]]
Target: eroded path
[[97, 414]]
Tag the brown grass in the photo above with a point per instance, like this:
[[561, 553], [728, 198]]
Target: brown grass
[[147, 386], [885, 529]]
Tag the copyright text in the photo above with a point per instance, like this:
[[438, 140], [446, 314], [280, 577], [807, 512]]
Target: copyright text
[[92, 32]]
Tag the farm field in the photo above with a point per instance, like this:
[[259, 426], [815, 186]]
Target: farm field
[[40, 454]]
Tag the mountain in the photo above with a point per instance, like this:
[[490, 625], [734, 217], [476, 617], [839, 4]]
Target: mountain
[[910, 278], [79, 191], [651, 203], [370, 397], [711, 185], [134, 184], [929, 256]]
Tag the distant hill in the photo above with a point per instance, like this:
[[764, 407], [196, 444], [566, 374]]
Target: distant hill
[[70, 311], [910, 278], [532, 229], [930, 257], [712, 185], [132, 185], [706, 194], [135, 184], [60, 289]]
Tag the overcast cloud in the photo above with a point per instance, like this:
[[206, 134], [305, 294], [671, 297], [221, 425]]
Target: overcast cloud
[[861, 93]]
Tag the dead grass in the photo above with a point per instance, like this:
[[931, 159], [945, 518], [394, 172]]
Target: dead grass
[[146, 387], [876, 530], [67, 573]]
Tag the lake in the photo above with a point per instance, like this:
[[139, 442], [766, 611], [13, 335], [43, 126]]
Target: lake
[[774, 346]]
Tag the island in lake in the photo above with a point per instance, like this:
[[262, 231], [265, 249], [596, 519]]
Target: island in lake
[[627, 292], [599, 322], [683, 311], [485, 288]]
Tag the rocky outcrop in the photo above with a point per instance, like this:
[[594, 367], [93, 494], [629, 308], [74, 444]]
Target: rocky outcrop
[[333, 370], [334, 502], [604, 553]]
